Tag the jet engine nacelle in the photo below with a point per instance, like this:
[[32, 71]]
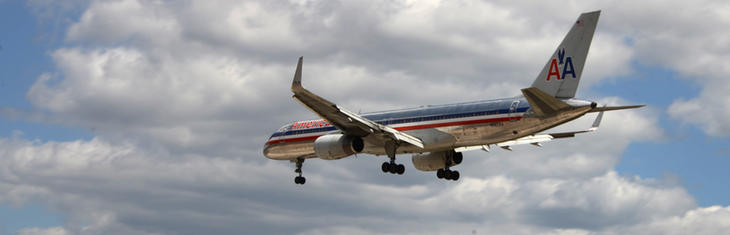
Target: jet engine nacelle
[[436, 160], [336, 146]]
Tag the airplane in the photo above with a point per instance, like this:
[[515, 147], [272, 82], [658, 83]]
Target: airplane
[[437, 135]]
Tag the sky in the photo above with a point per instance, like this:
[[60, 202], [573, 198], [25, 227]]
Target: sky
[[149, 117]]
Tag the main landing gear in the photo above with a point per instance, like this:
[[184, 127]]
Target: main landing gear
[[447, 174], [392, 167], [299, 179]]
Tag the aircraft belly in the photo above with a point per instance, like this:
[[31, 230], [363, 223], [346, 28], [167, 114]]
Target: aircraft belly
[[503, 131], [288, 151]]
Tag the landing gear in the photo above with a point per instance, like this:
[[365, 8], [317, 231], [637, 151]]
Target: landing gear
[[392, 167], [446, 173], [299, 179]]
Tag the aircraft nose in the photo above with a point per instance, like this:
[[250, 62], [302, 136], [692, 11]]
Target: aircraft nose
[[266, 149]]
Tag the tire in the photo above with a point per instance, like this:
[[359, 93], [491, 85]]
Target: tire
[[457, 158], [385, 167], [440, 173], [401, 169], [455, 176], [447, 174]]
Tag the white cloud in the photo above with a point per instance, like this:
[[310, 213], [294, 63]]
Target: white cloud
[[181, 95], [709, 220], [112, 187], [710, 110], [120, 21], [41, 231], [691, 46]]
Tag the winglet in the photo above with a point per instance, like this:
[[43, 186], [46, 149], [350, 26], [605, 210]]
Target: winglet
[[597, 122], [297, 83]]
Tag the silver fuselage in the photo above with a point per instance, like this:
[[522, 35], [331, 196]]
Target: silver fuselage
[[440, 127]]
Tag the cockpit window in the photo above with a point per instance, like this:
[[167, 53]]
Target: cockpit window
[[285, 128], [281, 130]]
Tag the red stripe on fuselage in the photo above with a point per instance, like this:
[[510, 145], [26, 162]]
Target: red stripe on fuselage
[[407, 128], [298, 139], [459, 123]]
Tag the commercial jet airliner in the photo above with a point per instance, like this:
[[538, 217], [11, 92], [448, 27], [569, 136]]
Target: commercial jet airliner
[[437, 134]]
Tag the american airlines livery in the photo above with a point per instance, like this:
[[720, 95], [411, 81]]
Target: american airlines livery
[[437, 134]]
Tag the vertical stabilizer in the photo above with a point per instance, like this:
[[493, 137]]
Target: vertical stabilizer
[[561, 74]]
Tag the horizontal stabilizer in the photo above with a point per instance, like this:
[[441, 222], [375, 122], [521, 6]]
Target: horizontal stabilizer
[[601, 109], [470, 148], [542, 103]]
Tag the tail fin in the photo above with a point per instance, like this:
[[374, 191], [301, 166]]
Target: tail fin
[[561, 74]]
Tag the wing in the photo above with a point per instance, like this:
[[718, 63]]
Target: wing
[[536, 139], [346, 121]]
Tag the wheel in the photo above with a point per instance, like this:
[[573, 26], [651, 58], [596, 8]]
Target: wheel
[[447, 174], [440, 173], [385, 167], [458, 157], [401, 169], [455, 175], [393, 168], [299, 180]]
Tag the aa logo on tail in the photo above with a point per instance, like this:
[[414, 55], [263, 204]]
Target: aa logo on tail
[[567, 66]]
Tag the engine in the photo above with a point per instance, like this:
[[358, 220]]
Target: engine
[[436, 160], [336, 146]]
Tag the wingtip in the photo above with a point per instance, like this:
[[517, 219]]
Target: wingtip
[[297, 83]]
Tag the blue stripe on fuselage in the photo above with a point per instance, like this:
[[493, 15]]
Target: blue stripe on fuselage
[[427, 113]]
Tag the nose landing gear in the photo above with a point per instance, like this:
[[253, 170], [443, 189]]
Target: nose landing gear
[[299, 179]]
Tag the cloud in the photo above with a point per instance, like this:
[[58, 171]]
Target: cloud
[[46, 231], [181, 95], [709, 110], [697, 51], [710, 220], [194, 77], [121, 187]]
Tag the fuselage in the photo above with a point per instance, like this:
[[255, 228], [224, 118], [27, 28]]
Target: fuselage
[[440, 127]]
